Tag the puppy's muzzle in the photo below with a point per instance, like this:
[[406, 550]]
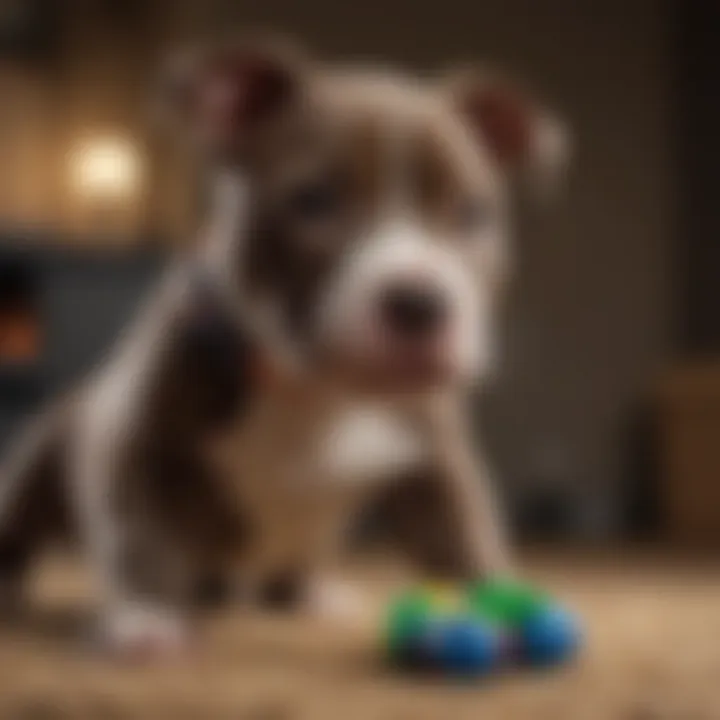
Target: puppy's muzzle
[[414, 318]]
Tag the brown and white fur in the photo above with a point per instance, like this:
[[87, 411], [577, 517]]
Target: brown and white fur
[[309, 358]]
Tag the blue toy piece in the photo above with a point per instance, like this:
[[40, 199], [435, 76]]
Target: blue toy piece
[[550, 636], [458, 646], [465, 647]]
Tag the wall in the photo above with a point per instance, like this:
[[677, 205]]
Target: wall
[[698, 25]]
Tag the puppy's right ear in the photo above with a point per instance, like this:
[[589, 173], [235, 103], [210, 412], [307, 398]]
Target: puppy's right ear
[[225, 96], [522, 135]]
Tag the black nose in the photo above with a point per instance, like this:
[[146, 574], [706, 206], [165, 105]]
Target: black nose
[[412, 310]]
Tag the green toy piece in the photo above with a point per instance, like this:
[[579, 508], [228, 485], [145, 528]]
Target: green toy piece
[[406, 619], [506, 602]]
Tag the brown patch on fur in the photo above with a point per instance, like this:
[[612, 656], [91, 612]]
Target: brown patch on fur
[[415, 515], [203, 381]]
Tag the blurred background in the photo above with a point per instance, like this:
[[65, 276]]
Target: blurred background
[[604, 421]]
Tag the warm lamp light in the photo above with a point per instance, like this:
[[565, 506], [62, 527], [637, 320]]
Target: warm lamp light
[[106, 169]]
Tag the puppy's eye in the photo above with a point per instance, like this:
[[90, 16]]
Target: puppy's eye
[[316, 200], [473, 215]]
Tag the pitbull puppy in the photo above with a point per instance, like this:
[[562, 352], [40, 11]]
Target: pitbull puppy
[[310, 357]]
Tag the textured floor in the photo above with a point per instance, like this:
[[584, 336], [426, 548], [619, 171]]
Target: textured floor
[[653, 653]]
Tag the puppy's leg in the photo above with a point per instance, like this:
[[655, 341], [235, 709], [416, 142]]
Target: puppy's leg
[[311, 584], [32, 506], [314, 592], [139, 572], [142, 616], [470, 491], [444, 515]]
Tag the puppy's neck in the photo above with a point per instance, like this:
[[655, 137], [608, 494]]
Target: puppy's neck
[[223, 239]]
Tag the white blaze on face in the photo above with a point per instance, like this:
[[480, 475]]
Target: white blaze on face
[[401, 249]]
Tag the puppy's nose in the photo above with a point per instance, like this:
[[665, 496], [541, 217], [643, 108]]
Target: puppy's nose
[[412, 310]]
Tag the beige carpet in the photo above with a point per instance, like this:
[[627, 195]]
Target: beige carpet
[[652, 653]]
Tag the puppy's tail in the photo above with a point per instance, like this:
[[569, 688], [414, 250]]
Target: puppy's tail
[[32, 507]]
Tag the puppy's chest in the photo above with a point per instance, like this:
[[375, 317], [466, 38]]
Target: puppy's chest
[[298, 467]]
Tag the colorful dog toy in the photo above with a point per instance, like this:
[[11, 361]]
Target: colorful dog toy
[[478, 629]]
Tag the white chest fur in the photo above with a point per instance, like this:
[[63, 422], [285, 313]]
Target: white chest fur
[[300, 468], [367, 443]]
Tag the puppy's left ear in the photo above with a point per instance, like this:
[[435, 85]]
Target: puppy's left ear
[[224, 96], [523, 136]]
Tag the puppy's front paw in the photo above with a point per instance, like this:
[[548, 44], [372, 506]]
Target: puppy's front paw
[[140, 633], [335, 600]]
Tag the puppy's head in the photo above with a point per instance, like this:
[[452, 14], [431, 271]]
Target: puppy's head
[[377, 204]]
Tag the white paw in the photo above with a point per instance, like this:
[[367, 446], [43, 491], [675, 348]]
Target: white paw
[[144, 632], [335, 600]]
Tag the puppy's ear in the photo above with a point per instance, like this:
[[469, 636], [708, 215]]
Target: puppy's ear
[[522, 136], [225, 95]]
